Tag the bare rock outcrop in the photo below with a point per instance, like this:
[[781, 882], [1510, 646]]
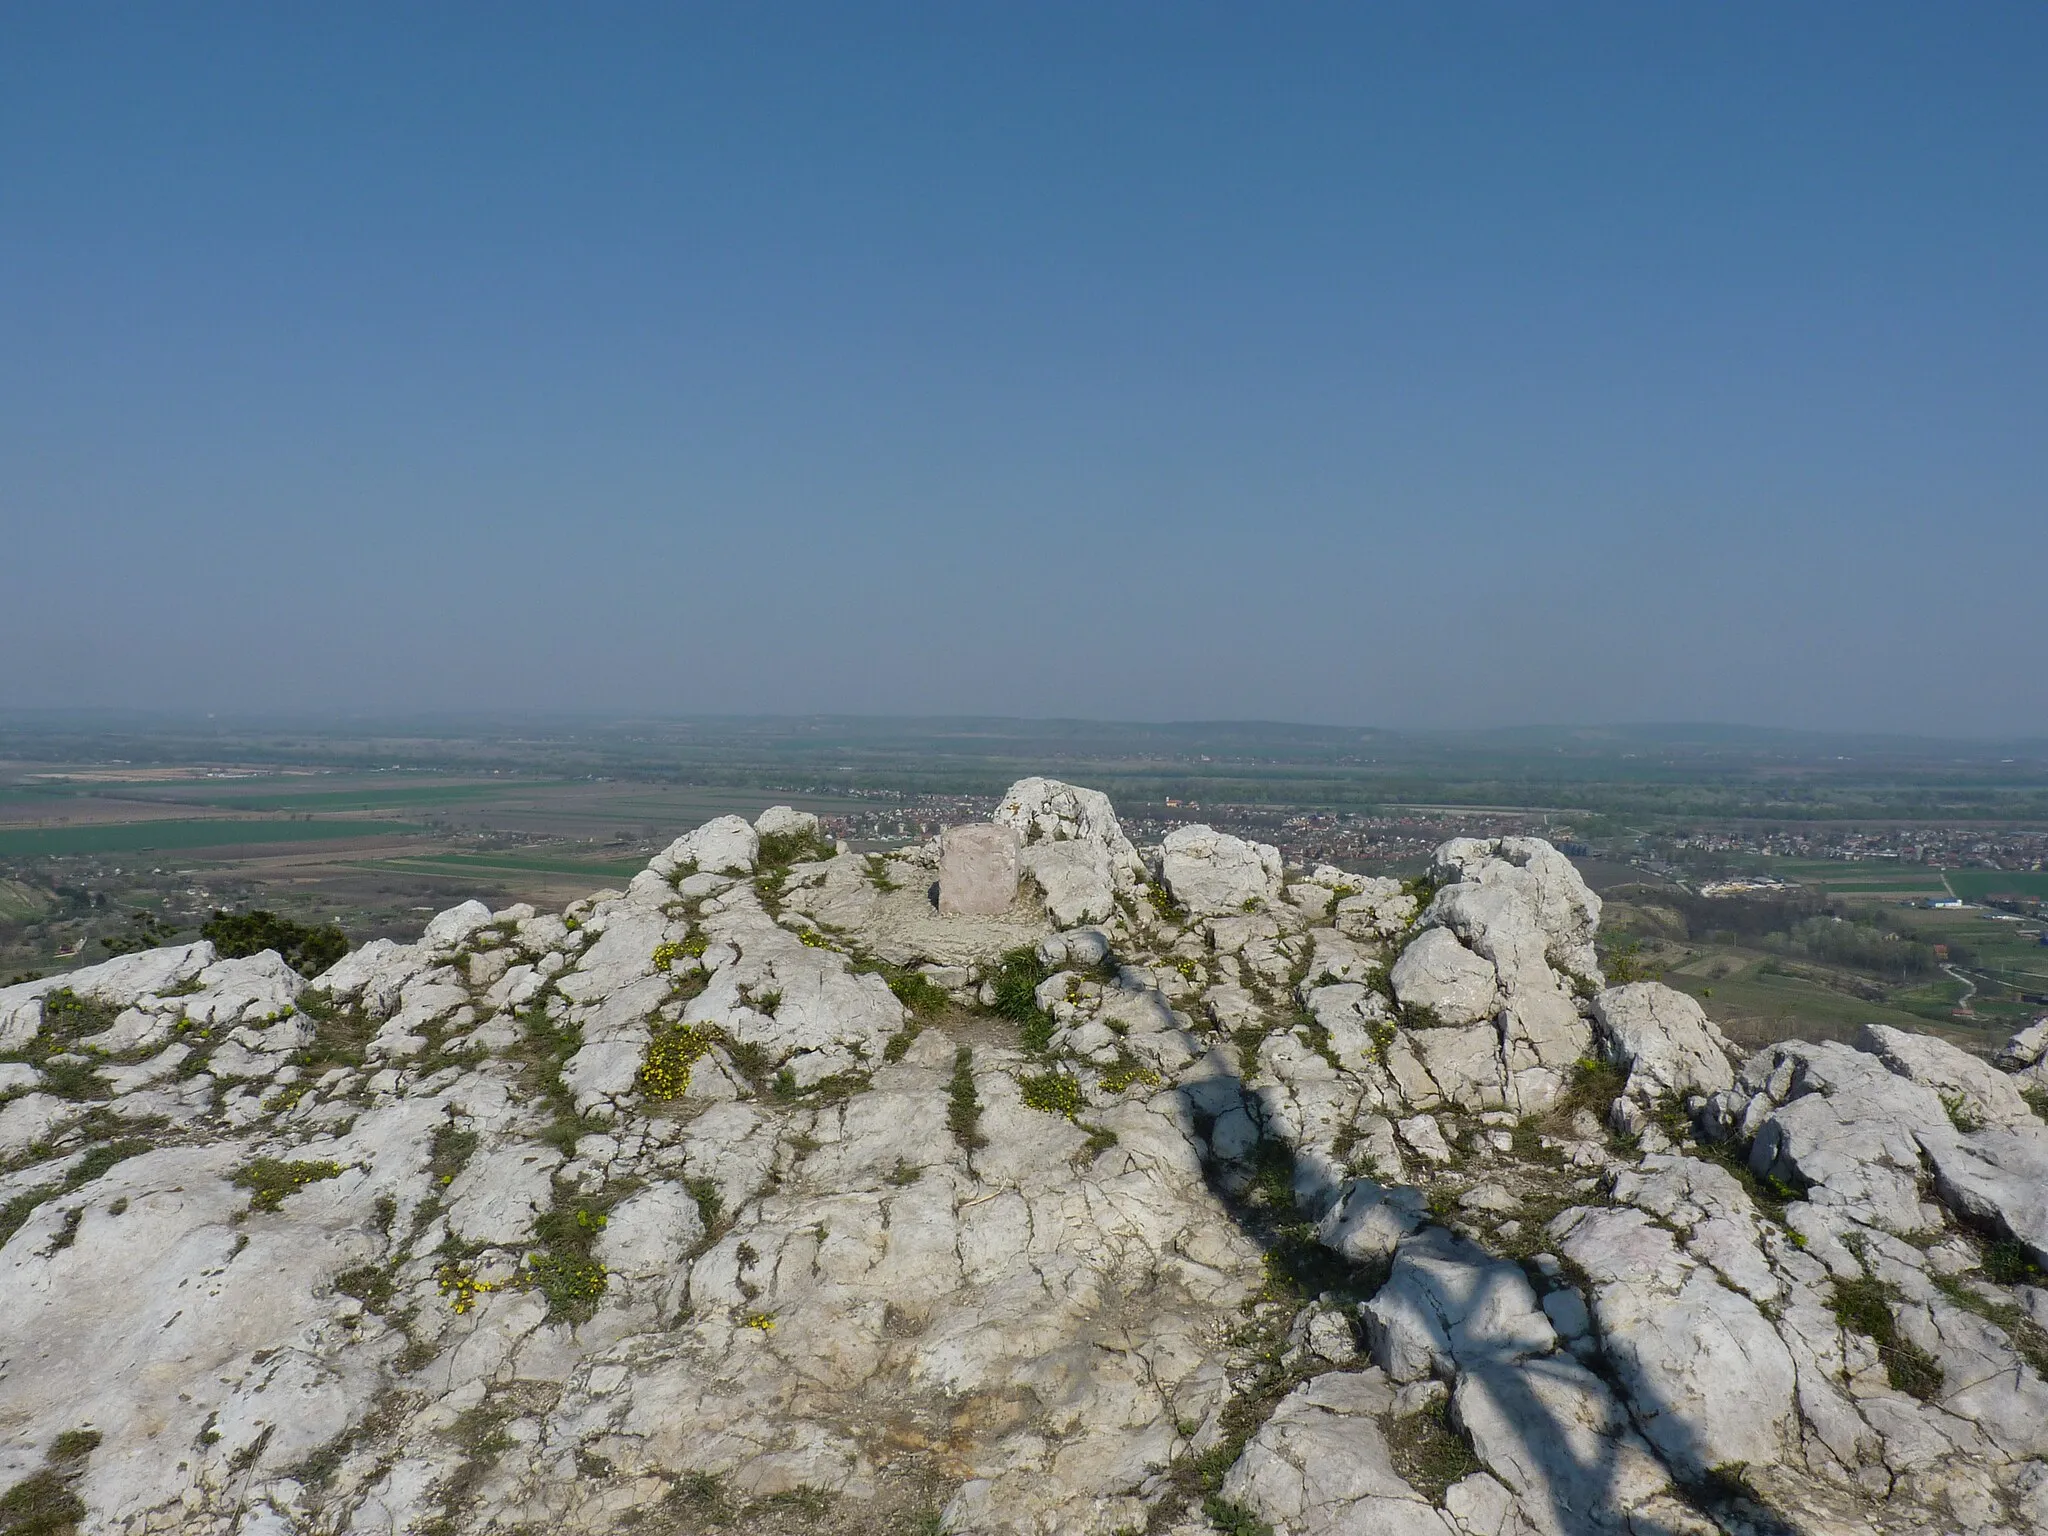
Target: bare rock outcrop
[[731, 1199]]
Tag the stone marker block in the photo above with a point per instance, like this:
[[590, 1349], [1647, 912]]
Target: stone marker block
[[977, 870]]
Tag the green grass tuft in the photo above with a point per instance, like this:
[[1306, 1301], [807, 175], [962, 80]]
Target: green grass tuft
[[269, 1180]]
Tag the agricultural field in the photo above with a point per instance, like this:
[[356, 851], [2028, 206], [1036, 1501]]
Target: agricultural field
[[93, 858], [171, 837], [1756, 1001], [1852, 944], [1980, 884]]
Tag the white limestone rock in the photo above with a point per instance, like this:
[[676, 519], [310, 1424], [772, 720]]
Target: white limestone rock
[[258, 987], [1077, 880], [1542, 1041], [1554, 1436], [1046, 811], [1667, 1043], [1355, 1018], [1707, 1205], [1333, 957], [1438, 973], [1214, 873], [1520, 903], [785, 821], [1073, 1301], [1994, 1178], [1709, 1379], [1464, 1064], [725, 845], [1835, 1118], [1447, 1305], [648, 1237], [1983, 1378], [1369, 1220], [2025, 1049], [121, 981], [30, 1119], [373, 975], [1320, 1465], [451, 929], [1975, 1090], [1372, 907], [501, 1192], [1081, 949]]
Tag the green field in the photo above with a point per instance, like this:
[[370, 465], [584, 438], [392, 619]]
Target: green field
[[1754, 1008], [423, 795], [459, 863], [1976, 884], [19, 901], [1900, 888], [178, 836]]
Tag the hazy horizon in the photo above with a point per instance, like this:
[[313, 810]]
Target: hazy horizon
[[459, 723], [1439, 369]]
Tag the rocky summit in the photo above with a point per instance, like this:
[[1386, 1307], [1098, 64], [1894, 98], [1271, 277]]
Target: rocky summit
[[1025, 1181]]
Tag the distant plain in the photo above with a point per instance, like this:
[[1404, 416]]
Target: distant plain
[[114, 827]]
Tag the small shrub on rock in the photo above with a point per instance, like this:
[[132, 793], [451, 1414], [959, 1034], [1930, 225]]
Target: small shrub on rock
[[916, 991], [307, 950], [779, 850], [1016, 980]]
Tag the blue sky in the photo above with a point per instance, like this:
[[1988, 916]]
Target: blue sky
[[1402, 365]]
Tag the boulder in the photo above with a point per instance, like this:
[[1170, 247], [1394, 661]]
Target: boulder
[[1667, 1043], [783, 821], [1449, 1305], [1834, 1118], [977, 870], [1083, 949], [1077, 879], [2025, 1049], [1211, 872], [725, 845], [1561, 1443], [1441, 975], [1369, 1220], [1048, 811], [449, 929], [374, 974], [1375, 908]]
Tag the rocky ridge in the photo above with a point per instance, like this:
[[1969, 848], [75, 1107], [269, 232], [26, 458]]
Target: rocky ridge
[[1193, 1193]]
